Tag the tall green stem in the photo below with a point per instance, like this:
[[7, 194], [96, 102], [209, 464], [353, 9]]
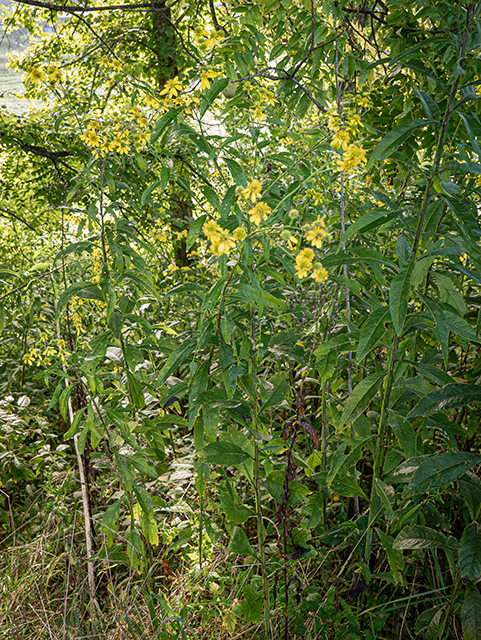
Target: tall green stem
[[381, 432]]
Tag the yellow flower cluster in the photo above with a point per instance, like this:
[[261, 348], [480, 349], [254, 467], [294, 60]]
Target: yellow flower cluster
[[304, 265], [221, 241], [172, 88], [132, 131], [208, 38], [353, 157], [265, 99], [252, 192], [43, 355], [35, 75], [259, 212], [317, 233]]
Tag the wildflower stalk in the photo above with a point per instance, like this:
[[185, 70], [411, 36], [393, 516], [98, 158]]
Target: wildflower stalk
[[346, 273]]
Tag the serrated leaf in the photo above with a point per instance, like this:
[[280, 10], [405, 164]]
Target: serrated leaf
[[75, 426], [418, 537], [399, 294], [240, 543], [439, 470], [469, 558], [372, 331], [451, 396], [225, 453], [471, 613], [360, 398], [136, 391]]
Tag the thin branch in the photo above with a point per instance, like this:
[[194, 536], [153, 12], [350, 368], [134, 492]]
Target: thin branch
[[14, 215], [22, 286], [79, 9]]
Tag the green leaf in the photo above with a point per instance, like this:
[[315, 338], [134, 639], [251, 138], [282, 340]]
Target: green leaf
[[343, 462], [395, 558], [372, 331], [162, 124], [225, 453], [471, 613], [418, 537], [175, 359], [469, 558], [240, 543], [281, 388], [368, 221], [110, 521], [85, 290], [64, 400], [194, 230], [211, 94], [360, 398], [394, 139], [399, 295], [198, 386], [470, 487], [451, 396], [142, 465], [439, 470], [136, 391], [115, 322], [211, 298], [75, 426]]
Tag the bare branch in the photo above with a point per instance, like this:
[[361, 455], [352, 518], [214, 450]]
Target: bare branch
[[14, 215]]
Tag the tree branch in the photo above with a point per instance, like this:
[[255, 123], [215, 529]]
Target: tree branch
[[14, 215]]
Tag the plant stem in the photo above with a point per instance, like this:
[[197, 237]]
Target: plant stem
[[379, 451]]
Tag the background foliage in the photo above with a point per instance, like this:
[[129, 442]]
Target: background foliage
[[240, 321]]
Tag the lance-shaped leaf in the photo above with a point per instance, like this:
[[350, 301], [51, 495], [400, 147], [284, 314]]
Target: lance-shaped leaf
[[399, 295], [226, 453], [394, 139], [471, 613], [368, 221], [451, 396], [372, 331], [418, 537], [176, 358], [361, 397], [439, 470], [469, 558]]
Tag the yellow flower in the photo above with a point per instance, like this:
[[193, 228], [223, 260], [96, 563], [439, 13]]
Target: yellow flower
[[260, 211], [206, 76], [120, 144], [341, 139], [353, 157], [172, 87], [239, 234], [91, 138], [225, 242], [304, 262], [319, 274], [35, 75], [211, 229], [317, 233], [252, 191]]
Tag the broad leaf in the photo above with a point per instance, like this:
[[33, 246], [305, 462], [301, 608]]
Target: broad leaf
[[469, 559], [418, 537], [372, 331], [395, 139], [471, 613], [451, 396], [225, 453], [439, 470], [361, 397]]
